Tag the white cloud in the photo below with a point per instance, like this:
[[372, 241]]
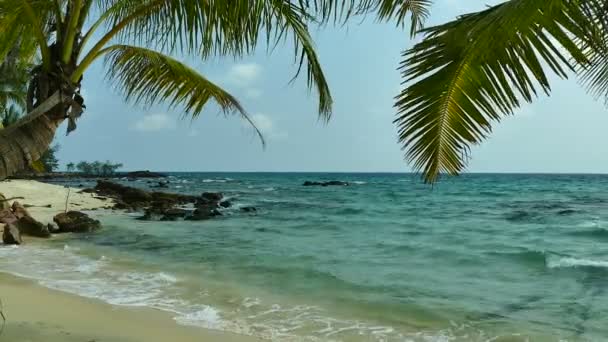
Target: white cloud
[[253, 93], [193, 132], [244, 74], [268, 127], [154, 123]]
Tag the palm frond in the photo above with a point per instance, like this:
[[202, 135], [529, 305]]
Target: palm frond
[[595, 76], [385, 10], [227, 28], [472, 71], [149, 77], [26, 22]]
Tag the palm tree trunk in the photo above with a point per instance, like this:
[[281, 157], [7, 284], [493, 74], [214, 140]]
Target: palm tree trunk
[[26, 141]]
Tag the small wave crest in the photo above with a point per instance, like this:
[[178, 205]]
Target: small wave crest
[[570, 262]]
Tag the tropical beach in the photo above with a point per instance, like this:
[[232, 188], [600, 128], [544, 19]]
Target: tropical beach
[[390, 170], [525, 264]]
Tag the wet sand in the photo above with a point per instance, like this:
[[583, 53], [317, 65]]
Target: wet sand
[[38, 314]]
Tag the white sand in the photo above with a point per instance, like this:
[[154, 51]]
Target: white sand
[[42, 194], [38, 314]]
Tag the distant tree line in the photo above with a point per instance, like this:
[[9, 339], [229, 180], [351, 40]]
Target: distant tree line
[[97, 168]]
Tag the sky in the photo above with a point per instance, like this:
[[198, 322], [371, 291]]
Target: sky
[[563, 133]]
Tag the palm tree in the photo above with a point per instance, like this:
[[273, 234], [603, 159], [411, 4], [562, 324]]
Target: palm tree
[[469, 73], [136, 40], [9, 115]]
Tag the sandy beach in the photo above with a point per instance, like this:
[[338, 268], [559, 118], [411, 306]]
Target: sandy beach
[[40, 195], [37, 314]]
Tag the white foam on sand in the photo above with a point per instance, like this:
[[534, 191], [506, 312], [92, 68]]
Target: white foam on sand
[[66, 269]]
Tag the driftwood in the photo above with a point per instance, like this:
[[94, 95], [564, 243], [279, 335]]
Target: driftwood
[[10, 199]]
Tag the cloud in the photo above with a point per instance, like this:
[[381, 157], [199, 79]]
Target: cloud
[[253, 93], [193, 132], [154, 123], [244, 74], [268, 127]]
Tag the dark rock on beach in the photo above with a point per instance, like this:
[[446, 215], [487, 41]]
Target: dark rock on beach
[[11, 234], [29, 226], [328, 183], [76, 222], [249, 209], [225, 204], [7, 216], [19, 210]]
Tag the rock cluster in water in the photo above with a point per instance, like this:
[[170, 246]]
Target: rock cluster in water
[[162, 206], [328, 183]]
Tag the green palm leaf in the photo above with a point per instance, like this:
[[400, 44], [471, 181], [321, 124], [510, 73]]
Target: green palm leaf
[[472, 71], [149, 77], [227, 28]]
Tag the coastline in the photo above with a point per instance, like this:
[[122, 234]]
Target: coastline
[[38, 314], [40, 195]]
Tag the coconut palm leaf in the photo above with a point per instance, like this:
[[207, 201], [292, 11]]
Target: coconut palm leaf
[[227, 28], [385, 10], [26, 23], [149, 77], [595, 76], [471, 72]]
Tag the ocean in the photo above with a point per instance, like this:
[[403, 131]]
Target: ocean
[[481, 257]]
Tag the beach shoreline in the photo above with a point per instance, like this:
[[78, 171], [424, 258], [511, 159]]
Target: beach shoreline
[[38, 314]]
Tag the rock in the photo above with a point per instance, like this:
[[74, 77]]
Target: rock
[[11, 235], [76, 222], [4, 203], [88, 191], [133, 195], [120, 205], [161, 185], [29, 226], [19, 211], [335, 183], [204, 212], [329, 183], [225, 204], [7, 216], [145, 174], [249, 209], [212, 196], [52, 228], [174, 214]]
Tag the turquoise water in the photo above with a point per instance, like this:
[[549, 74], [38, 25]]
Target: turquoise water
[[476, 258]]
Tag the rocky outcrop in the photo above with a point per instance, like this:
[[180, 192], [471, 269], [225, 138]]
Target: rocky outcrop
[[29, 226], [7, 216], [144, 174], [163, 206], [11, 234], [76, 222], [328, 183], [19, 210]]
